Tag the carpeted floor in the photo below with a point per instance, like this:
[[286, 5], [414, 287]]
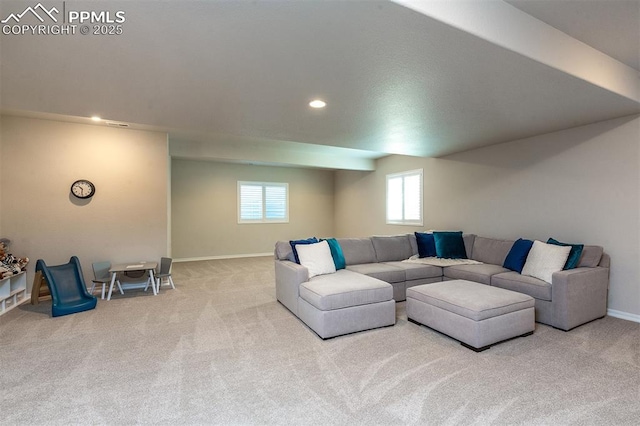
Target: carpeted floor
[[220, 350]]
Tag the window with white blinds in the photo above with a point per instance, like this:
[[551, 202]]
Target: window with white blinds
[[263, 202], [404, 198]]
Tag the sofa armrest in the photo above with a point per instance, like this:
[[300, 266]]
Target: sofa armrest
[[289, 276], [579, 296]]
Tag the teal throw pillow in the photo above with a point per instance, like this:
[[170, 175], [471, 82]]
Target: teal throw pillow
[[336, 253], [449, 245], [574, 254]]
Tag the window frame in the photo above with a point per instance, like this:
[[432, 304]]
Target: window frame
[[264, 186], [403, 220]]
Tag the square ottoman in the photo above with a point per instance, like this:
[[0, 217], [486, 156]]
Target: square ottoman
[[476, 314]]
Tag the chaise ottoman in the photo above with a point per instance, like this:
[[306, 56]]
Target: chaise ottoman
[[345, 302], [476, 314]]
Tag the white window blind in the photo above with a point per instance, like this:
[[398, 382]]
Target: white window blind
[[263, 202], [404, 198]]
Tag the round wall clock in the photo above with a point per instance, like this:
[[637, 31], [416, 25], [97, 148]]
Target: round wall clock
[[82, 188]]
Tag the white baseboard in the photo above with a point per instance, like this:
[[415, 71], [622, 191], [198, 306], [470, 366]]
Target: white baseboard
[[230, 256], [623, 315]]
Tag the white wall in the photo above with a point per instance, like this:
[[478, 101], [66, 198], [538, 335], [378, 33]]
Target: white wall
[[580, 185], [125, 221], [204, 208]]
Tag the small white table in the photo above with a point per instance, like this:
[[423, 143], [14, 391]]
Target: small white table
[[128, 267]]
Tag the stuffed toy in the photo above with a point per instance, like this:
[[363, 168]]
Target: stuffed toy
[[9, 264]]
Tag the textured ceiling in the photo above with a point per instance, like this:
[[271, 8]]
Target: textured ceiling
[[231, 80]]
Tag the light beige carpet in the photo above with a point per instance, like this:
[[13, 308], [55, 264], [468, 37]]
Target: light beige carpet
[[220, 350]]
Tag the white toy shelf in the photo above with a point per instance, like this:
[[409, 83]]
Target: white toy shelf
[[13, 291]]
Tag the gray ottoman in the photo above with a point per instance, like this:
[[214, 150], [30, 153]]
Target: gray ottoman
[[477, 315]]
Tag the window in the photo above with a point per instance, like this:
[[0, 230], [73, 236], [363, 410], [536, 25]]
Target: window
[[263, 202], [404, 198]]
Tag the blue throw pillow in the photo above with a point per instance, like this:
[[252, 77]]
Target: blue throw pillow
[[574, 254], [518, 255], [450, 245], [426, 244], [293, 243], [336, 253]]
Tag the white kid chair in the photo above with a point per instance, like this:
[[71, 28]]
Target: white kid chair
[[102, 276], [165, 273]]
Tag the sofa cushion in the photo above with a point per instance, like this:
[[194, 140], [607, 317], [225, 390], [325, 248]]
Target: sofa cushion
[[416, 271], [534, 287], [476, 273], [491, 250], [283, 251], [397, 247], [357, 250], [344, 289], [591, 256], [574, 254], [545, 259], [381, 271], [468, 239], [426, 244], [517, 256], [450, 244], [316, 258], [414, 244]]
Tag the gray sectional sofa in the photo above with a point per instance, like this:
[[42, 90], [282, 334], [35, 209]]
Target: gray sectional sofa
[[360, 297]]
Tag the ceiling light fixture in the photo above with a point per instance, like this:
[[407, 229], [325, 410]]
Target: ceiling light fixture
[[317, 103], [96, 118]]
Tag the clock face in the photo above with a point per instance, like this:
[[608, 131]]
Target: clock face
[[83, 189]]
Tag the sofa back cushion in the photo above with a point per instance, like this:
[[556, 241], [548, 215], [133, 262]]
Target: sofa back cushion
[[414, 244], [392, 248], [468, 239], [491, 250], [283, 251], [591, 256], [357, 250]]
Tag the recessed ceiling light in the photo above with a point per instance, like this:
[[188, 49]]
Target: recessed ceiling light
[[96, 118], [317, 103]]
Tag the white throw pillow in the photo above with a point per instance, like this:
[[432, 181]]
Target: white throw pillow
[[316, 258], [545, 259]]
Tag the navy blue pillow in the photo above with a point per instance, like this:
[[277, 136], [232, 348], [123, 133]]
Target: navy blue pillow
[[574, 254], [426, 244], [293, 243], [518, 255], [450, 245]]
